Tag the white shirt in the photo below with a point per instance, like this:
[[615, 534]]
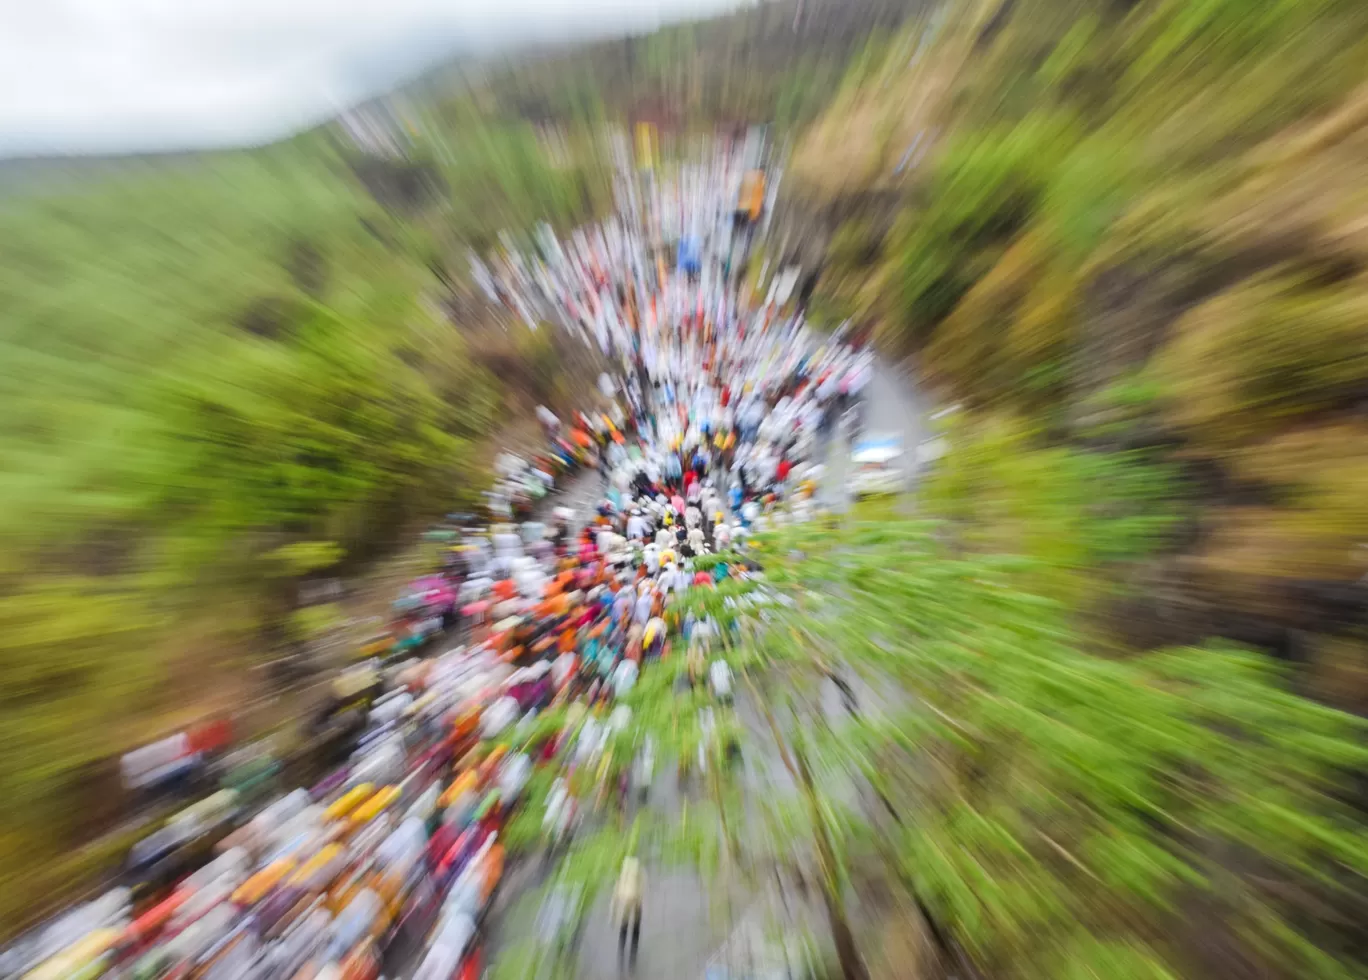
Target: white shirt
[[720, 676], [561, 668], [624, 677]]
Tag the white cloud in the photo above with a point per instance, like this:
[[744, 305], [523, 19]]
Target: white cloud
[[104, 75]]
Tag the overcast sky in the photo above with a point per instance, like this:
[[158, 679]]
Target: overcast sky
[[112, 75]]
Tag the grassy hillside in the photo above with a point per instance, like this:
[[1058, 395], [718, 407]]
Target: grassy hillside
[[1136, 226], [1128, 238], [218, 377]]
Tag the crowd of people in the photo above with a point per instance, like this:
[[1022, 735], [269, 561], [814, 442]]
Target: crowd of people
[[710, 426]]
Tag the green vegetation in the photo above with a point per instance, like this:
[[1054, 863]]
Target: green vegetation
[[1120, 236], [1078, 512], [1132, 227], [1047, 806], [1025, 806], [1042, 811], [220, 378]]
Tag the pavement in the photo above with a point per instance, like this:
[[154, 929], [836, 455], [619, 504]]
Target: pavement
[[582, 495], [894, 409], [678, 930], [891, 408]]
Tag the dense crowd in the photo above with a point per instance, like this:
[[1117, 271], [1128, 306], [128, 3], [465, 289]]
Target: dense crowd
[[710, 426]]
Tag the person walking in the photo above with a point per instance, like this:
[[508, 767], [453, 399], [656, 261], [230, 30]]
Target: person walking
[[627, 905]]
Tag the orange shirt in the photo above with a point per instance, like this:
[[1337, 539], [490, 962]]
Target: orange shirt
[[554, 606]]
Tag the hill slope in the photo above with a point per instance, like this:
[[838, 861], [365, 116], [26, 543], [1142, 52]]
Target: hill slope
[[1137, 226]]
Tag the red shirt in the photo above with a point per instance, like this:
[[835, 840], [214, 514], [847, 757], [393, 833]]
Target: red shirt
[[782, 471]]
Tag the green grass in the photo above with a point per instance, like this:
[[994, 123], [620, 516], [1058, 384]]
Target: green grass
[[218, 377]]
